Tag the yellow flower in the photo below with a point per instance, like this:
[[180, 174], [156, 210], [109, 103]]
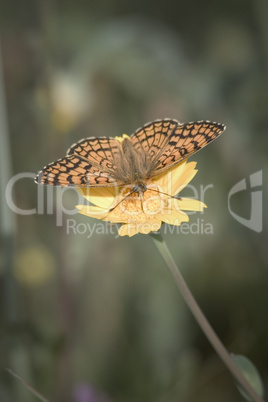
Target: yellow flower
[[144, 214]]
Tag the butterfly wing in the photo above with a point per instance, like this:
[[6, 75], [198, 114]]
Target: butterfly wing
[[89, 163], [101, 152], [151, 138], [163, 143], [74, 171], [184, 141]]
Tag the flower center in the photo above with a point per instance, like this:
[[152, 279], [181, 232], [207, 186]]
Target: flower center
[[138, 207]]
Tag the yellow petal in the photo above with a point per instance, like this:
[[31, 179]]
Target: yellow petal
[[128, 230], [152, 225], [92, 211], [131, 229], [116, 218], [121, 139], [173, 217], [100, 196], [189, 204], [176, 178], [181, 179]]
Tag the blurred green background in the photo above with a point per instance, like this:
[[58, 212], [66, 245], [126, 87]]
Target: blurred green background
[[100, 319]]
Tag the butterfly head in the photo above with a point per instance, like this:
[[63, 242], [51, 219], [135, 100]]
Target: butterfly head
[[139, 188]]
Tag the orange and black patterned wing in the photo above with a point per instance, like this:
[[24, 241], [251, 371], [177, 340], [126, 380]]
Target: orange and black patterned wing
[[101, 152], [184, 141], [151, 138], [74, 171]]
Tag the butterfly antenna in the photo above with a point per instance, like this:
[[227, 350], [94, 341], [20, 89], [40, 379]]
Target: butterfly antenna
[[110, 210], [161, 192]]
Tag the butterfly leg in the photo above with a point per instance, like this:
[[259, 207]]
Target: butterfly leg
[[141, 198]]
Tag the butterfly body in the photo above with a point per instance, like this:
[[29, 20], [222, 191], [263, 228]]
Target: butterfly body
[[130, 164], [131, 161]]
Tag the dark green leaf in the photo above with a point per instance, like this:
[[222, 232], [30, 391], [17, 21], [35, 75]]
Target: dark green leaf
[[252, 375]]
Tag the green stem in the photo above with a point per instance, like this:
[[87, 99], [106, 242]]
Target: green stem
[[31, 389], [201, 319]]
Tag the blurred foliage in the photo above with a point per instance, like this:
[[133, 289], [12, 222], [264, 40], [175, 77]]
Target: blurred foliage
[[100, 319]]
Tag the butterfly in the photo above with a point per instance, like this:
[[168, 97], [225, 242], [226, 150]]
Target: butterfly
[[129, 161]]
